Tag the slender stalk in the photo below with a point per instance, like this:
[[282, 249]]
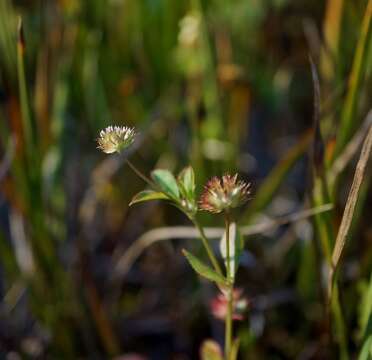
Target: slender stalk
[[228, 323], [228, 319], [141, 175], [207, 247]]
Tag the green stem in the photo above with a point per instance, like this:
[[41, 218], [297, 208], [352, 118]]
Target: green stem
[[227, 226], [141, 175], [228, 323], [207, 247], [339, 323], [229, 313]]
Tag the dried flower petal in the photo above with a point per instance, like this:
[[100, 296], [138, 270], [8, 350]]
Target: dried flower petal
[[222, 194], [219, 305], [115, 139]]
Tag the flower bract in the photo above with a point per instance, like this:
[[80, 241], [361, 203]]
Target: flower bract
[[222, 194]]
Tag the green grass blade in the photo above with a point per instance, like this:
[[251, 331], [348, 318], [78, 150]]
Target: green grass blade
[[366, 352], [360, 64], [25, 106], [366, 313]]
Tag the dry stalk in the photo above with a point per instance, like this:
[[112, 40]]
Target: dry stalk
[[126, 260], [349, 209]]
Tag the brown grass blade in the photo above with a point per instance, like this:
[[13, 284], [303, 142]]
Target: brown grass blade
[[350, 205]]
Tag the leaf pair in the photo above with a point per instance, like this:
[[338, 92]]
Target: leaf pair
[[180, 191]]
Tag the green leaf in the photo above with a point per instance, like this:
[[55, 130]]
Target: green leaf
[[148, 195], [366, 351], [204, 270], [166, 182], [349, 119], [210, 350], [234, 350], [186, 179]]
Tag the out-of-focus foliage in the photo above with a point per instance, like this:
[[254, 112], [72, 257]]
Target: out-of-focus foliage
[[223, 86]]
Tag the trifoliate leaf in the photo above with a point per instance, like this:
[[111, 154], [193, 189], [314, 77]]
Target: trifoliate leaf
[[166, 182]]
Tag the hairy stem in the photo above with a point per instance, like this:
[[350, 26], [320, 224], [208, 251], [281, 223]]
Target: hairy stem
[[229, 313], [207, 247], [228, 323], [227, 228]]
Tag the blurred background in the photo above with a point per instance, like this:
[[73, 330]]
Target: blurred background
[[223, 86]]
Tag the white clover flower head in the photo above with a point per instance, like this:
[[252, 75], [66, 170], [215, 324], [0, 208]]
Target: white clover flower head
[[189, 30], [115, 139]]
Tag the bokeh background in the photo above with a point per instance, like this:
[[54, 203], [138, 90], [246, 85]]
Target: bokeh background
[[223, 86]]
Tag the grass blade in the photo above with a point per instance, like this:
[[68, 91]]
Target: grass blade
[[366, 313], [351, 201], [358, 71], [331, 28], [25, 106]]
